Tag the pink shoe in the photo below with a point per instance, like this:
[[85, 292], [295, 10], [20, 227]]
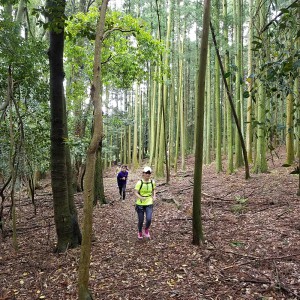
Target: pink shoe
[[140, 235], [147, 234]]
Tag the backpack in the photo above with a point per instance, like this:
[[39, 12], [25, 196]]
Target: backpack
[[142, 182]]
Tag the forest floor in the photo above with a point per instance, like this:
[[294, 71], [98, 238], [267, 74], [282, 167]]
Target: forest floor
[[251, 250]]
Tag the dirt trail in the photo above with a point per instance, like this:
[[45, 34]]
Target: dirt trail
[[251, 228]]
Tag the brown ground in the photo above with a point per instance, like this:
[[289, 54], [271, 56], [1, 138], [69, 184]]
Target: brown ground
[[252, 249]]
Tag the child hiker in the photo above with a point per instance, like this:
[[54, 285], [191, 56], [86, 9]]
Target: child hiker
[[145, 192], [122, 180]]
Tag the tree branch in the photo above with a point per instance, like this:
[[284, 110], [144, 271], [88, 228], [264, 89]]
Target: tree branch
[[274, 19], [231, 104], [108, 32]]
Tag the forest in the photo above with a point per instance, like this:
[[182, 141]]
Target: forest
[[204, 92]]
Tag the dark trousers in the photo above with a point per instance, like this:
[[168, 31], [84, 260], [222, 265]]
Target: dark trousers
[[122, 191], [143, 210]]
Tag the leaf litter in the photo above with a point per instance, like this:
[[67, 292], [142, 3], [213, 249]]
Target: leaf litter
[[251, 250]]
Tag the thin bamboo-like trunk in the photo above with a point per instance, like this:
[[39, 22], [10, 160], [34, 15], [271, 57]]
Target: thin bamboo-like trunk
[[238, 94], [153, 116], [290, 125], [198, 235], [208, 109], [260, 165], [181, 108], [228, 112], [135, 162], [218, 121], [249, 131], [141, 132]]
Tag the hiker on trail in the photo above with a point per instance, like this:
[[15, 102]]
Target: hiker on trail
[[145, 192], [118, 168], [122, 181]]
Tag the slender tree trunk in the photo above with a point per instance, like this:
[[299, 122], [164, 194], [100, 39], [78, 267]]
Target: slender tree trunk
[[12, 162], [99, 184], [153, 118], [135, 129], [197, 221], [142, 132], [249, 131], [158, 165], [208, 109], [181, 108], [290, 125], [228, 112], [239, 76], [129, 159], [96, 95], [218, 121], [260, 158]]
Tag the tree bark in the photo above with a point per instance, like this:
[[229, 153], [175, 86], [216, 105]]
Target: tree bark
[[197, 222], [65, 215], [85, 254]]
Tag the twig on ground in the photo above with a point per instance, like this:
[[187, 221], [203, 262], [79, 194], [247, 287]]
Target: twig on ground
[[260, 259], [282, 286]]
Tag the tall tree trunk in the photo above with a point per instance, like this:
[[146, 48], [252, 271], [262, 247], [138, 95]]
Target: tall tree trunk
[[249, 131], [208, 109], [197, 221], [182, 106], [297, 96], [166, 97], [290, 124], [99, 184], [96, 96], [153, 114], [142, 128], [135, 162], [129, 146], [12, 162], [260, 158], [228, 112], [217, 98], [239, 76], [68, 235]]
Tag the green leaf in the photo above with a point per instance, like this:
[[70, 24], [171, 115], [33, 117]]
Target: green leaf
[[237, 244], [286, 165], [227, 74], [246, 94]]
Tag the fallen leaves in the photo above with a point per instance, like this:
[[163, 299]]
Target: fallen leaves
[[249, 255]]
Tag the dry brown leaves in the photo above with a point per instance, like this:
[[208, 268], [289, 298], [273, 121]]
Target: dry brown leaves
[[252, 250]]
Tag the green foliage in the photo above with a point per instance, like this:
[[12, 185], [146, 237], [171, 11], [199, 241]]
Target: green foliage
[[276, 47], [53, 13], [30, 113], [128, 47]]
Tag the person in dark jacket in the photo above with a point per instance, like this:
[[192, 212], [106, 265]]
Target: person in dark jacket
[[122, 181]]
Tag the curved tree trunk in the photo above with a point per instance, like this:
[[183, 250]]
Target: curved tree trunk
[[97, 136]]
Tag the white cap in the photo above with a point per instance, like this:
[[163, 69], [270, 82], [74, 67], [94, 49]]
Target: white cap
[[147, 169]]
